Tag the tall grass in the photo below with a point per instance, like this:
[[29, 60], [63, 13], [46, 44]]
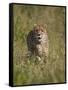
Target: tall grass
[[26, 71]]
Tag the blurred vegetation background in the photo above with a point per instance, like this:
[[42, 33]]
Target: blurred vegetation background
[[25, 70]]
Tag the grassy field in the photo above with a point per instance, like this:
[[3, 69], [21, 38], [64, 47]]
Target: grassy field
[[25, 70]]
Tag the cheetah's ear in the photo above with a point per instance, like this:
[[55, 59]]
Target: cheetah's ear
[[35, 25], [45, 26]]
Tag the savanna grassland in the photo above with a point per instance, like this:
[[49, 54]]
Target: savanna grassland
[[25, 70]]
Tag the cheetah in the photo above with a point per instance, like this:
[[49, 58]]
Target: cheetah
[[37, 42]]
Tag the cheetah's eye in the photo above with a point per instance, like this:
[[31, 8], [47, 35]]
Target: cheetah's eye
[[36, 30]]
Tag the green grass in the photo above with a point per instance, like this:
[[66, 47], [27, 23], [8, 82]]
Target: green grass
[[26, 70]]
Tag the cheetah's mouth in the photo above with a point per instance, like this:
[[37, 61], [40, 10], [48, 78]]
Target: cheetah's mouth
[[38, 40], [39, 37]]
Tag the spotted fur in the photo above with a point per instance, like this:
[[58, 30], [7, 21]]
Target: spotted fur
[[37, 42]]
